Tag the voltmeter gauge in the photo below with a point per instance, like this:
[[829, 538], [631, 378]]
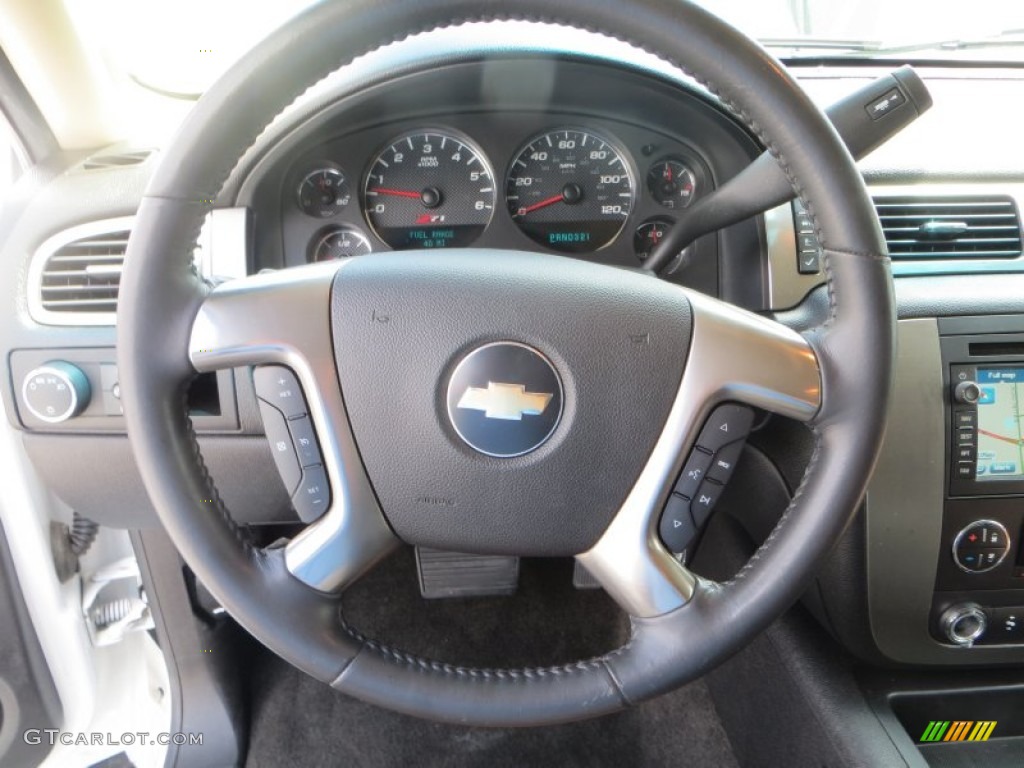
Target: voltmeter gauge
[[648, 235]]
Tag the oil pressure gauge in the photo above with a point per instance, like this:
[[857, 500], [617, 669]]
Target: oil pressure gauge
[[323, 192]]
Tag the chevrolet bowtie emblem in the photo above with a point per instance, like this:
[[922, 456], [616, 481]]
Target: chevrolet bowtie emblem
[[504, 401]]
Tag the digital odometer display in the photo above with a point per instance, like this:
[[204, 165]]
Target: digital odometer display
[[1000, 424], [570, 190]]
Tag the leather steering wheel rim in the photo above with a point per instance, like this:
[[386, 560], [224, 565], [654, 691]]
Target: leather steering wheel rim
[[162, 296]]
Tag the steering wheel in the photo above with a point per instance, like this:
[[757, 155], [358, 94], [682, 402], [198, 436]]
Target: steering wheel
[[378, 345]]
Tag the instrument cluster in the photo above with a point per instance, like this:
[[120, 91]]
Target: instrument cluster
[[573, 188]]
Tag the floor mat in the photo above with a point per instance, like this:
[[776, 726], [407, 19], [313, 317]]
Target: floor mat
[[299, 721]]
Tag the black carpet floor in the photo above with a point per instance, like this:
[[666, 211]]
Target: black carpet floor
[[297, 721]]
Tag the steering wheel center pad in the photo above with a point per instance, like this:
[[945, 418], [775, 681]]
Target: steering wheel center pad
[[617, 339]]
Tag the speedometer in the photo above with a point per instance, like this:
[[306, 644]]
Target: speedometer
[[429, 189], [570, 190]]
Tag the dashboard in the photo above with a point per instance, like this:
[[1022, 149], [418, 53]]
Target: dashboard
[[589, 158], [595, 165]]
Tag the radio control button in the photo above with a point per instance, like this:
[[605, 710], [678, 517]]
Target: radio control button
[[965, 436], [726, 424], [676, 527], [965, 470], [724, 463], [965, 419], [967, 392], [705, 500]]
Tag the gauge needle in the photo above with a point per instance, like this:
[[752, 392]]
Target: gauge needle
[[395, 192], [542, 204]]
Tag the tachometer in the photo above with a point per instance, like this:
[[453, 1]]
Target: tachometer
[[570, 190], [429, 189]]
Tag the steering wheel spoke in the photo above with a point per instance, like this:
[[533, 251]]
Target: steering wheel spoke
[[283, 318], [734, 356]]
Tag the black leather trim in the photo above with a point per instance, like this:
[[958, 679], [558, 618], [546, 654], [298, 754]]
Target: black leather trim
[[160, 295]]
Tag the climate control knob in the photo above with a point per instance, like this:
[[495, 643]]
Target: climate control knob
[[981, 546], [56, 391], [963, 624], [967, 392]]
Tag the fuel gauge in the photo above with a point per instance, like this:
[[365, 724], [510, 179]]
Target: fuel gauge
[[339, 243], [672, 183]]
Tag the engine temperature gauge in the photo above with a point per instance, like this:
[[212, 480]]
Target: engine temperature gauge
[[672, 183], [323, 192]]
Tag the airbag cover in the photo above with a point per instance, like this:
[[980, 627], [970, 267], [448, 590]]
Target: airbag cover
[[403, 322]]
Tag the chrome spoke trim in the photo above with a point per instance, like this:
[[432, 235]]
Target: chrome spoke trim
[[734, 356], [285, 318]]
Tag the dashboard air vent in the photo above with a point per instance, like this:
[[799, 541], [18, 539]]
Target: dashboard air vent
[[84, 275], [947, 228], [116, 159]]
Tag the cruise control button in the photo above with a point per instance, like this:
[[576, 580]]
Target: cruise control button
[[677, 529], [693, 473], [724, 462], [278, 386], [705, 501], [304, 439], [313, 495], [276, 427], [726, 424]]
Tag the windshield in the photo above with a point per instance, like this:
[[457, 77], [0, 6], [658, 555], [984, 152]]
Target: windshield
[[198, 39], [913, 29], [147, 61]]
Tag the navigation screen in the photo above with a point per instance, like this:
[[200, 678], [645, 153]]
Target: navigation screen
[[1001, 424]]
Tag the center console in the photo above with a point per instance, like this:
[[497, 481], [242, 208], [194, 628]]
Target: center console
[[979, 583]]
